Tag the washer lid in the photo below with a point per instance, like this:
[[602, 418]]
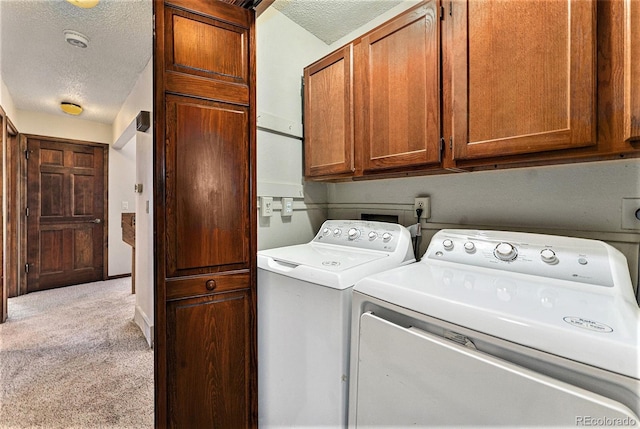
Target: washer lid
[[582, 322], [324, 257], [337, 267]]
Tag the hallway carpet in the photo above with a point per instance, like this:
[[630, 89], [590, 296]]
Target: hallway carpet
[[73, 358]]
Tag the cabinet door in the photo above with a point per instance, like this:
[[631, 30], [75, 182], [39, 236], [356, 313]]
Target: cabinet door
[[523, 76], [400, 70], [204, 215], [209, 374], [328, 115], [632, 70]]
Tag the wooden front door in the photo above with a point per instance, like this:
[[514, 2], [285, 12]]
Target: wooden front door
[[66, 207]]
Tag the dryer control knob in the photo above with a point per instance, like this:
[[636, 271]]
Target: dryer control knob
[[448, 244], [548, 256], [469, 247], [373, 235], [353, 233], [386, 236], [505, 252], [337, 232]]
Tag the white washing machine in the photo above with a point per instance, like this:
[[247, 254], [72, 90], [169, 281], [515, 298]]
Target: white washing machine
[[304, 316], [498, 329]]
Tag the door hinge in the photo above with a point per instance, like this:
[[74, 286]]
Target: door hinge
[[26, 268], [26, 212], [451, 142], [450, 8], [441, 13], [26, 153], [441, 149]]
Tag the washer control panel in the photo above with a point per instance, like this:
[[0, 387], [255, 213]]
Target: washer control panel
[[362, 234], [558, 257]]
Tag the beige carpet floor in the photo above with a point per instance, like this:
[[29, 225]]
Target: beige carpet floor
[[73, 358]]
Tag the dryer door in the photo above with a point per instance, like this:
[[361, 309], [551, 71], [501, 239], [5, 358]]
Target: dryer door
[[406, 376]]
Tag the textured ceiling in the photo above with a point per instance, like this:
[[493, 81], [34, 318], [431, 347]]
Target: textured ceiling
[[41, 69], [329, 20]]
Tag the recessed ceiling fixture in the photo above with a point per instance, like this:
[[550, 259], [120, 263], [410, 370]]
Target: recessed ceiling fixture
[[85, 4], [76, 39], [71, 108]]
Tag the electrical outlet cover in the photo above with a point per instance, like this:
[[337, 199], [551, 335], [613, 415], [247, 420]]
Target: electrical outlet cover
[[629, 208], [266, 206], [425, 204]]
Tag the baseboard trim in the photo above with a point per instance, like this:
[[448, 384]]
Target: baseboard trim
[[118, 276], [143, 323]]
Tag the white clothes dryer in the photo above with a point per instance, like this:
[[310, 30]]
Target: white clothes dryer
[[498, 329], [304, 317]]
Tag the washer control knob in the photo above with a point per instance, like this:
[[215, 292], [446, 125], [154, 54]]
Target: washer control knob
[[353, 233], [448, 244], [469, 247], [386, 236], [373, 235], [326, 231], [548, 256], [505, 252], [337, 232]]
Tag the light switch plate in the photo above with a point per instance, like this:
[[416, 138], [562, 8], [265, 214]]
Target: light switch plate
[[287, 207]]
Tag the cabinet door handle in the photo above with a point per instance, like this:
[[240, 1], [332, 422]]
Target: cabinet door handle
[[210, 284]]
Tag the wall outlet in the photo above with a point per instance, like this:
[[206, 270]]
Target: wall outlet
[[287, 207], [266, 206], [630, 213], [423, 203]]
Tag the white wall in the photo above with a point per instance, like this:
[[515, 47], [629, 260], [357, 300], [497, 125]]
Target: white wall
[[140, 150], [122, 176], [6, 101], [144, 313], [579, 197], [283, 50], [45, 124]]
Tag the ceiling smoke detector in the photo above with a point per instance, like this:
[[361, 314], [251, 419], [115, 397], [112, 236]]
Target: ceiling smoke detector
[[76, 39]]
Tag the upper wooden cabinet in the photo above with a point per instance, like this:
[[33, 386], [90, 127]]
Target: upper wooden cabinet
[[632, 69], [398, 73], [328, 115], [523, 76], [483, 84]]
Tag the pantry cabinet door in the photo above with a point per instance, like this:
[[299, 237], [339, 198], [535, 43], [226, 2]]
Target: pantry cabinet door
[[632, 70], [328, 115], [523, 76], [400, 70], [204, 215]]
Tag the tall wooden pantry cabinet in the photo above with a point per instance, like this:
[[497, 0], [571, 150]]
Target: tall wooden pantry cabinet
[[205, 215]]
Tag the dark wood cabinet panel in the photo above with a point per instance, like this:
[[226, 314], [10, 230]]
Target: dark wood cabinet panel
[[523, 76], [205, 215], [207, 54], [328, 115], [632, 70], [207, 183], [399, 66], [209, 370]]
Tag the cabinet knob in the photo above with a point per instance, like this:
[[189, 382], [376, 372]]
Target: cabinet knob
[[210, 284]]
